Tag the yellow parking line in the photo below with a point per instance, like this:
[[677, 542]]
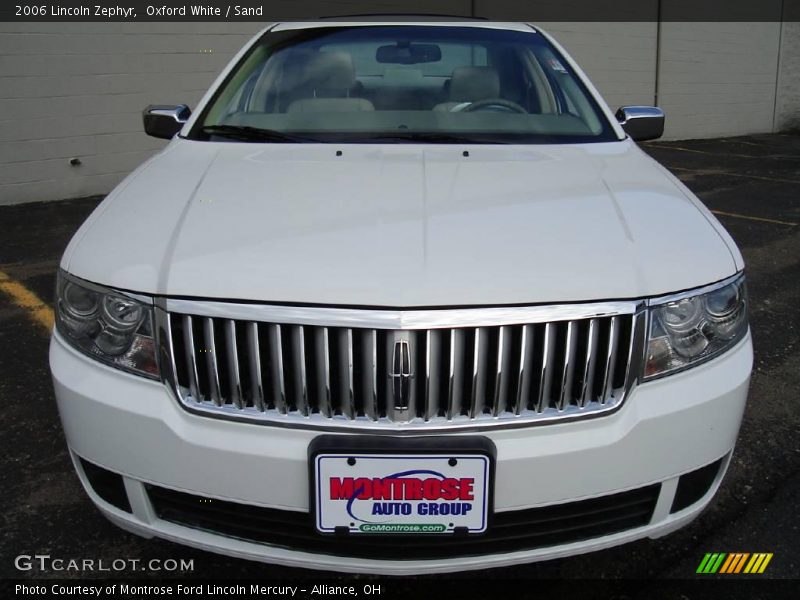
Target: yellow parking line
[[751, 218], [39, 312]]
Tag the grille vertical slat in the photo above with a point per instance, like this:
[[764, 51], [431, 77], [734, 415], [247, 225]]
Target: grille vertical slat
[[298, 369], [191, 357], [524, 373], [347, 392], [433, 357], [276, 366], [546, 370], [232, 355], [610, 358], [478, 374], [587, 378], [253, 356], [501, 378], [568, 369], [457, 367], [322, 370], [427, 384], [210, 350], [448, 376], [373, 370]]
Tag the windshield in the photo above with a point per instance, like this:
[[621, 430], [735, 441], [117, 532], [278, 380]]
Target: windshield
[[403, 83]]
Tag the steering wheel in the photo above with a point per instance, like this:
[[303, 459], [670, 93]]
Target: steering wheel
[[495, 104]]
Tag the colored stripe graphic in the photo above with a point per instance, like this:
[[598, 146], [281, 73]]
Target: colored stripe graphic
[[726, 566], [765, 563], [758, 563], [703, 563], [734, 562], [711, 562], [741, 562]]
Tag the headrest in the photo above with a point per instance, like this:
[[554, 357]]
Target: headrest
[[470, 84], [327, 71]]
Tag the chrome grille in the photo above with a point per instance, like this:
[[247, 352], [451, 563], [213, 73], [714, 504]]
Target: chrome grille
[[306, 373]]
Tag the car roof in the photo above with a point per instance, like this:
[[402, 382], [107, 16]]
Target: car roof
[[419, 20]]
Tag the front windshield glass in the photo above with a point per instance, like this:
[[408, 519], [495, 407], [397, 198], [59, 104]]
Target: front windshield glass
[[403, 83]]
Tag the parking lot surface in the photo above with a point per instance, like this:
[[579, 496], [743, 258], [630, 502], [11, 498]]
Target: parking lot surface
[[751, 183]]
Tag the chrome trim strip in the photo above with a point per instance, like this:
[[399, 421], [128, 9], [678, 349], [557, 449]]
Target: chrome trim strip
[[611, 358], [191, 357], [656, 300], [476, 402], [401, 319], [546, 371], [323, 371], [432, 355], [524, 375], [591, 360], [416, 426], [234, 379], [211, 361], [256, 379], [543, 415], [299, 356], [375, 412], [456, 383], [277, 369], [568, 370], [636, 353], [350, 401]]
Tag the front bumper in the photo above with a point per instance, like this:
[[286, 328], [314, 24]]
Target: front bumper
[[135, 428]]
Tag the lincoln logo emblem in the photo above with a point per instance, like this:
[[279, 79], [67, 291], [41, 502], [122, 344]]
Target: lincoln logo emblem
[[401, 374]]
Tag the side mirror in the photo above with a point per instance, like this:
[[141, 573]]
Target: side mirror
[[164, 121], [641, 123]]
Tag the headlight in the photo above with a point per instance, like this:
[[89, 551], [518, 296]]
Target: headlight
[[693, 328], [106, 325]]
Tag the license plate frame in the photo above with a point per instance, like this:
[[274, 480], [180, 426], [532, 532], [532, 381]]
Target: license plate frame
[[474, 455]]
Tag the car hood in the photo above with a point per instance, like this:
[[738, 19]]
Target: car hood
[[401, 225]]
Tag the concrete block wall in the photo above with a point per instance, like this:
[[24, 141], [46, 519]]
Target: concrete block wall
[[718, 79], [76, 90], [624, 70], [787, 104]]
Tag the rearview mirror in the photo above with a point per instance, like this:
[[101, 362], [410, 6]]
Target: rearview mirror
[[164, 121], [408, 54], [641, 123]]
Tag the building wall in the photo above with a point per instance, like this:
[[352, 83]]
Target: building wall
[[624, 70], [76, 90], [787, 105], [718, 79]]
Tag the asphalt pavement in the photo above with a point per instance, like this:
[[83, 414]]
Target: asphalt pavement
[[751, 183]]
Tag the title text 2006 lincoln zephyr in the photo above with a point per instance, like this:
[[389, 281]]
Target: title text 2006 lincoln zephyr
[[401, 297]]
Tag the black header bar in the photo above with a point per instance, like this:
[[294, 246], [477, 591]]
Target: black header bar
[[502, 10]]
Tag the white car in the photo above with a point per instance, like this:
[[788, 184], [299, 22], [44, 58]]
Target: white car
[[401, 297]]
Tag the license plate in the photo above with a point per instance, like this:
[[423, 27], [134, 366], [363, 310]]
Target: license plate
[[401, 494]]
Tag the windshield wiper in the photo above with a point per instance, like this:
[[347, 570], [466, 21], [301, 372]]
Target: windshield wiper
[[254, 134]]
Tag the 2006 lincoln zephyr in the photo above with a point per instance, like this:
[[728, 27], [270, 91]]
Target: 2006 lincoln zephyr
[[401, 297]]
